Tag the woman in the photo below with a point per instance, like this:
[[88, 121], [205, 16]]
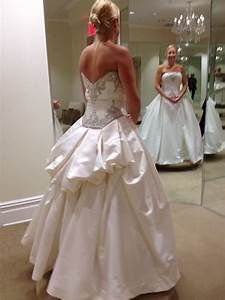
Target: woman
[[169, 127], [104, 225]]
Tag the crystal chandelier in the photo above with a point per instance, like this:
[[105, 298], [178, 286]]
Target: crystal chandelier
[[188, 26]]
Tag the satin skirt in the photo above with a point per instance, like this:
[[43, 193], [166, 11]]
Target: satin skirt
[[214, 136], [104, 224], [171, 131]]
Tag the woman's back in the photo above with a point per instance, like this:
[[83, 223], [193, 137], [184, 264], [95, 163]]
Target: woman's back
[[100, 58], [106, 56]]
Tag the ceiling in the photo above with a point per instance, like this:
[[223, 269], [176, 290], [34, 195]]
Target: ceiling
[[59, 9], [160, 13], [147, 13]]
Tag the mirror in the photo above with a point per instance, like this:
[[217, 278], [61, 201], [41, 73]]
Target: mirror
[[67, 34], [150, 34], [214, 138]]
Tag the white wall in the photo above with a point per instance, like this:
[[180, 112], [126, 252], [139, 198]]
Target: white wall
[[26, 120], [79, 41], [149, 63]]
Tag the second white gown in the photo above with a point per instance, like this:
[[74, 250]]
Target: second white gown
[[214, 136], [170, 130]]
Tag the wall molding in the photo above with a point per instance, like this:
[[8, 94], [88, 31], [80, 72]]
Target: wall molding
[[18, 211]]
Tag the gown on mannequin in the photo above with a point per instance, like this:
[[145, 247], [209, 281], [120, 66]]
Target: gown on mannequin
[[219, 88], [214, 135], [104, 224], [170, 130]]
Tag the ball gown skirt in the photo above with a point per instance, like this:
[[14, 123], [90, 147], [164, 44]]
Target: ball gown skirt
[[104, 224], [171, 131], [214, 136]]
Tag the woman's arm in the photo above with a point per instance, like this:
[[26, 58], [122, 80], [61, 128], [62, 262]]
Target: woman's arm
[[81, 63], [128, 80]]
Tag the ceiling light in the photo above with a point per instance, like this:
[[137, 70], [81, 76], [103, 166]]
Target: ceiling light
[[188, 26]]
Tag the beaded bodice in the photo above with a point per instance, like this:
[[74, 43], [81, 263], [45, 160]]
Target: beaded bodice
[[171, 82], [105, 99]]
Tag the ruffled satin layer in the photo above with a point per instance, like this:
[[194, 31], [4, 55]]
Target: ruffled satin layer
[[104, 224], [214, 136], [171, 131]]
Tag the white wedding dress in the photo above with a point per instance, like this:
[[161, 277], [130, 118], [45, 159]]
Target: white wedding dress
[[170, 130], [104, 224], [214, 136]]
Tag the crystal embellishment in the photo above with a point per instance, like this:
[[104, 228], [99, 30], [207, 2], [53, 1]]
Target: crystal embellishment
[[104, 100]]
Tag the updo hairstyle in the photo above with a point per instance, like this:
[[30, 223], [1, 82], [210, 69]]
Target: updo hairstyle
[[171, 46], [103, 14]]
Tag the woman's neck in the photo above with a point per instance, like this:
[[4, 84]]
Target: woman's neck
[[170, 65], [105, 37]]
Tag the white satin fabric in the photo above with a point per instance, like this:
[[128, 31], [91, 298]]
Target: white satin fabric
[[171, 131], [104, 224], [214, 136]]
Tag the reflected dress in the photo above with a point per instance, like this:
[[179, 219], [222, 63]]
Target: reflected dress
[[104, 225], [171, 131], [214, 135]]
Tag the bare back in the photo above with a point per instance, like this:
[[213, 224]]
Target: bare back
[[102, 57], [98, 59]]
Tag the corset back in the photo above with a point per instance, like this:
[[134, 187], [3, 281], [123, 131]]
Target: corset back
[[171, 82], [105, 99]]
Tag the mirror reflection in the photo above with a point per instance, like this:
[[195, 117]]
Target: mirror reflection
[[214, 137], [171, 130]]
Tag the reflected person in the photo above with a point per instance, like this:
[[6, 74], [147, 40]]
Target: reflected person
[[192, 85], [104, 226], [169, 127]]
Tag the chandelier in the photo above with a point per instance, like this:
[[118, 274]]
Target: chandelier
[[188, 26]]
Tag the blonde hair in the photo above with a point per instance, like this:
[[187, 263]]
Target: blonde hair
[[171, 46], [103, 14]]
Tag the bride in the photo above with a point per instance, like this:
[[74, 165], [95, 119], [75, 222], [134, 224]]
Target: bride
[[169, 127], [104, 225]]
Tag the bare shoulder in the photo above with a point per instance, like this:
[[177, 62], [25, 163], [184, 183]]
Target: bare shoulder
[[122, 53], [121, 49], [84, 55], [85, 51], [160, 69], [180, 67]]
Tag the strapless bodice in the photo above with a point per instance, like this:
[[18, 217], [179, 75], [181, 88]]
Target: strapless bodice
[[171, 82], [105, 99]]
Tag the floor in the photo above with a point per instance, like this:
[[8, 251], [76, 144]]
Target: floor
[[200, 249], [214, 190], [183, 183]]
